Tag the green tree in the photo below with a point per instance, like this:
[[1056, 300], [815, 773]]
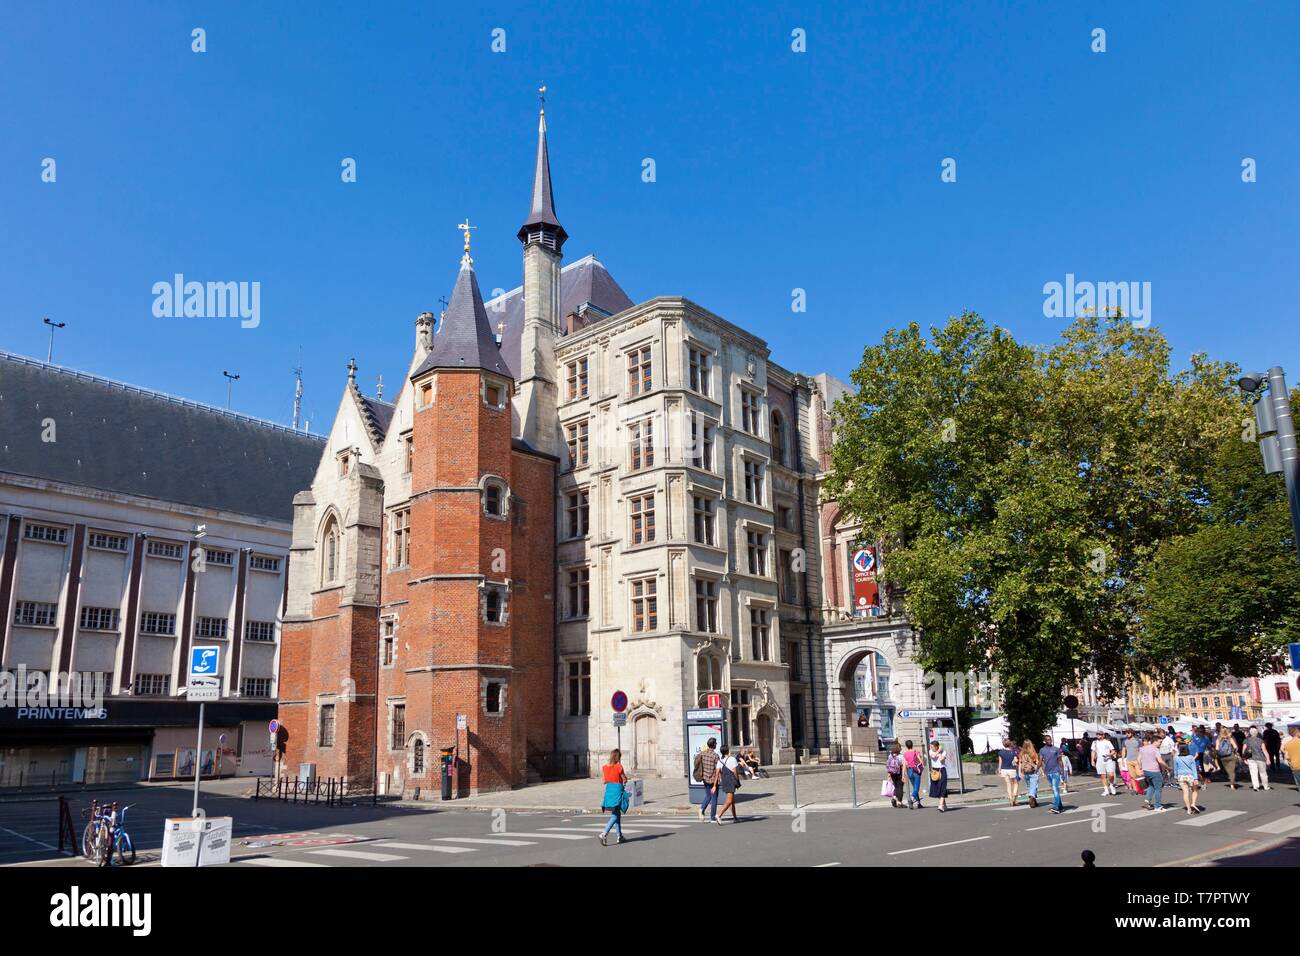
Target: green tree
[[1224, 598], [1017, 491]]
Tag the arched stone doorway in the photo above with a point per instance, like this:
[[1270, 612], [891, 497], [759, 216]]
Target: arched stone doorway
[[866, 681]]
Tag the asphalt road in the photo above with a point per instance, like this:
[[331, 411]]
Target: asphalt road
[[1241, 827]]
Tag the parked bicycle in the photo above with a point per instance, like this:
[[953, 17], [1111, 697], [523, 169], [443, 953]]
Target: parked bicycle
[[106, 834]]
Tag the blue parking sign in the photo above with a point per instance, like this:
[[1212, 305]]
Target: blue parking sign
[[205, 660], [1295, 656]]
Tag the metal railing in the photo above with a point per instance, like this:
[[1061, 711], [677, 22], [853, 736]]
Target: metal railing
[[330, 791]]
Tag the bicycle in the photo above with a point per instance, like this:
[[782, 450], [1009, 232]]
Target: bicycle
[[106, 834]]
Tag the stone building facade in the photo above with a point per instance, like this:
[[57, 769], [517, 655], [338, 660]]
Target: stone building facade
[[659, 534]]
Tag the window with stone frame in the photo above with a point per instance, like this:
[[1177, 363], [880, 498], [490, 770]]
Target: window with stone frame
[[641, 445], [325, 735], [578, 593], [704, 513], [702, 440], [576, 513], [400, 549], [751, 415], [494, 498], [641, 509], [576, 378], [640, 377], [708, 674], [152, 685], [699, 370], [493, 697], [754, 482], [777, 437], [645, 604], [388, 642], [760, 634], [495, 601], [576, 437], [408, 453], [579, 682], [330, 547], [706, 605], [398, 740], [756, 552], [787, 578]]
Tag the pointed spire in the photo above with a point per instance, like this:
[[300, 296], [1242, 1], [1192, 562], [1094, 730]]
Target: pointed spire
[[464, 338], [542, 225]]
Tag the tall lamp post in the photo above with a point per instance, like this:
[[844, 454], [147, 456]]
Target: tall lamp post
[[1277, 439], [230, 381], [49, 355]]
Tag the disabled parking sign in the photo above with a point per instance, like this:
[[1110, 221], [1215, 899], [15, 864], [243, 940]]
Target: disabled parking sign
[[205, 674]]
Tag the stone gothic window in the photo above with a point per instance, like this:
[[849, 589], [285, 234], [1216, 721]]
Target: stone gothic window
[[330, 540]]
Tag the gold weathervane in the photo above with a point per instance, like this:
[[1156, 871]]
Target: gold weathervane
[[465, 227]]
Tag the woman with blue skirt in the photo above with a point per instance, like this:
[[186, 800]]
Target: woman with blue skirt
[[615, 800]]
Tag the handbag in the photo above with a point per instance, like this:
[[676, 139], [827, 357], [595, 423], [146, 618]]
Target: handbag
[[936, 775], [887, 788]]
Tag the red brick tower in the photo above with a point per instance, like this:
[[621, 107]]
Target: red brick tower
[[471, 491]]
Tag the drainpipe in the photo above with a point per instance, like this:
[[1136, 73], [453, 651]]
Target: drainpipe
[[807, 606]]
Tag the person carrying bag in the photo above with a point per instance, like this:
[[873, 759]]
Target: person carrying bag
[[616, 798]]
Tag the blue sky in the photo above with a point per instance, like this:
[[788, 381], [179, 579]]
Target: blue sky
[[775, 171]]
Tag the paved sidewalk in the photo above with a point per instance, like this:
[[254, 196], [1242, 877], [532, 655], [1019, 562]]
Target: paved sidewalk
[[820, 788]]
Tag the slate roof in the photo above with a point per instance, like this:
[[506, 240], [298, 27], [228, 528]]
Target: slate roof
[[464, 338], [581, 282], [121, 438], [378, 415]]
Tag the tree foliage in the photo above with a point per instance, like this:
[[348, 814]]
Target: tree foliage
[[1018, 491]]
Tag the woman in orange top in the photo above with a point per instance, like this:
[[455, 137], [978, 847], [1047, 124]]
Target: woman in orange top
[[614, 779]]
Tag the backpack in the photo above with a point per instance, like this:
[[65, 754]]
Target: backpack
[[1225, 747], [893, 764], [697, 769]]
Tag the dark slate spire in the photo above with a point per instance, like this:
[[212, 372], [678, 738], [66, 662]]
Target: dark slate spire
[[541, 225], [464, 338]]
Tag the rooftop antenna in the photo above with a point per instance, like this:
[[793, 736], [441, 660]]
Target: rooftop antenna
[[297, 395], [379, 388]]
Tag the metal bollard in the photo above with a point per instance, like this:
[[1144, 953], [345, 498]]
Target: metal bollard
[[794, 787], [853, 779]]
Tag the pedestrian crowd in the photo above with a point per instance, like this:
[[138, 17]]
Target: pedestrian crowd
[[1145, 762]]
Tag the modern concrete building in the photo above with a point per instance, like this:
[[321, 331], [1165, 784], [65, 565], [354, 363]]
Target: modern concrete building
[[134, 525]]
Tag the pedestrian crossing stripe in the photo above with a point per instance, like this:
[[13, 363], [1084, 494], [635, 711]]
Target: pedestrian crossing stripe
[[393, 844], [1133, 815], [482, 840], [277, 861], [1278, 826], [358, 855], [1205, 819], [533, 834]]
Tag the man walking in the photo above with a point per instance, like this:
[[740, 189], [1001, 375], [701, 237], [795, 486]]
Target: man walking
[[706, 771], [1050, 757], [1273, 744]]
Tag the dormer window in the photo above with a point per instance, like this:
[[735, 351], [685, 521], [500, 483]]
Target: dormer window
[[494, 394], [424, 396]]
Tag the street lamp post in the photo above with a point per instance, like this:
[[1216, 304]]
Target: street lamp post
[[1277, 439], [230, 381], [49, 355]]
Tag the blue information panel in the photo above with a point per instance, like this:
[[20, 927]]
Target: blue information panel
[[1295, 656]]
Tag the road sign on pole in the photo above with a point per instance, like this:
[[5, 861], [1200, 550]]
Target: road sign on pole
[[618, 702], [204, 685]]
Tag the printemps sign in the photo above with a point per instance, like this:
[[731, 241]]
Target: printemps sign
[[36, 695]]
